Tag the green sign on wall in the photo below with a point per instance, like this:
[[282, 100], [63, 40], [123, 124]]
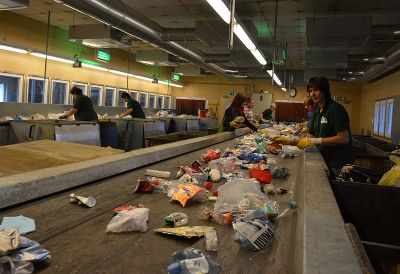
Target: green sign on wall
[[103, 56], [176, 77]]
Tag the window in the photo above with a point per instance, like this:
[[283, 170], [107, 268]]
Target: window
[[143, 99], [59, 92], [10, 88], [37, 90], [376, 117], [121, 102], [95, 94], [167, 102], [389, 118], [110, 97], [152, 100], [383, 118], [134, 94], [160, 101]]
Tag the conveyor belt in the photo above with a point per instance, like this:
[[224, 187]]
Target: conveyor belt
[[76, 237]]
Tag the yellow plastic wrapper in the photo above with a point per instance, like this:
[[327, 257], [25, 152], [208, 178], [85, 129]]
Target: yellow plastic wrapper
[[186, 231], [392, 177], [185, 192]]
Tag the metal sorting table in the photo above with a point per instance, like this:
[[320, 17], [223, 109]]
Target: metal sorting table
[[132, 133], [185, 124], [87, 133], [310, 239]]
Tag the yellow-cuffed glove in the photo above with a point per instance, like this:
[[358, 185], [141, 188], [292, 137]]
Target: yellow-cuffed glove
[[308, 142], [122, 115], [256, 124], [234, 124], [304, 130], [280, 139], [237, 122], [289, 131]]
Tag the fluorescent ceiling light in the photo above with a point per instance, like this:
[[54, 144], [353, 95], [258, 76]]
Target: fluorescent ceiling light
[[51, 57], [141, 77], [118, 72], [14, 49], [284, 89], [260, 58], [170, 84], [275, 77], [231, 71], [94, 67], [221, 9], [225, 14], [151, 63]]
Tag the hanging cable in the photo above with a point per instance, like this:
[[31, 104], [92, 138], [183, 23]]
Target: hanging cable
[[47, 45]]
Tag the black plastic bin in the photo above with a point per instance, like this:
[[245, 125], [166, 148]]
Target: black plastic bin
[[374, 210]]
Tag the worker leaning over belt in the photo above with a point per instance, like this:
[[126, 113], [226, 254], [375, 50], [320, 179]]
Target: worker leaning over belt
[[329, 128], [82, 109], [134, 108], [234, 115]]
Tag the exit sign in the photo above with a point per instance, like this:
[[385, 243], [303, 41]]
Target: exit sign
[[103, 56], [176, 77]]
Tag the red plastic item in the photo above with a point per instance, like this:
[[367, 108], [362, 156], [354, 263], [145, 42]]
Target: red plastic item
[[215, 193], [208, 185], [263, 176], [211, 155]]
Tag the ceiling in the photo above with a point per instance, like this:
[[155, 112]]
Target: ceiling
[[343, 39]]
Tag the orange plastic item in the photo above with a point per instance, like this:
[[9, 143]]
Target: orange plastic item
[[185, 192], [263, 176]]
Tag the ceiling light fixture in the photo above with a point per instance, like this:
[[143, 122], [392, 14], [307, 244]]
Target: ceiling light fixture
[[168, 83], [94, 67], [222, 10], [51, 57], [118, 72], [13, 49], [284, 89], [275, 77]]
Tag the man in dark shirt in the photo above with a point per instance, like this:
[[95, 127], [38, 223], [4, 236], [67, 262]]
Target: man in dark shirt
[[329, 128], [82, 109], [134, 108]]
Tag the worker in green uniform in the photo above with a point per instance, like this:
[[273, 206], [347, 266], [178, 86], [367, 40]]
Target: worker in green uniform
[[329, 128], [134, 108], [82, 109]]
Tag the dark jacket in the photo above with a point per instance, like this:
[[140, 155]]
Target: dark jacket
[[230, 115]]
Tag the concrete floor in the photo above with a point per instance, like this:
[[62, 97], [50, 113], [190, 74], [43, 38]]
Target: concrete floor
[[76, 236]]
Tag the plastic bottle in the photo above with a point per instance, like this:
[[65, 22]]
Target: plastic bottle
[[193, 261]]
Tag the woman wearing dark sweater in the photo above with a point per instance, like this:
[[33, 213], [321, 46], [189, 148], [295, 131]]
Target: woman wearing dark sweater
[[234, 115]]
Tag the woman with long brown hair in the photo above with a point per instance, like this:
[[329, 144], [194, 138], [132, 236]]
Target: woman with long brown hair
[[234, 115]]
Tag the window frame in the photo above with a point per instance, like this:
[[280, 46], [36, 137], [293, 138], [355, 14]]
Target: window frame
[[114, 99], [389, 121], [382, 120], [147, 99], [100, 93], [66, 93], [155, 100], [119, 96], [45, 92], [170, 101], [20, 85], [84, 92], [134, 91], [163, 99]]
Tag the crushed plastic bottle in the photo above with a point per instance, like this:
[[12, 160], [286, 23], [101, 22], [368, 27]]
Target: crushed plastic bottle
[[193, 261]]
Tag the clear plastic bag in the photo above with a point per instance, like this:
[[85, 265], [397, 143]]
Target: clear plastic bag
[[129, 220], [193, 261], [224, 165], [235, 190]]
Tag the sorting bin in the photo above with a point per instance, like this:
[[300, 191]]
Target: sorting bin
[[374, 211], [185, 124], [108, 134]]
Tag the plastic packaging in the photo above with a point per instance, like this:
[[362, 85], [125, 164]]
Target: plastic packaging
[[224, 165], [143, 186], [129, 220], [272, 189], [185, 231], [234, 190], [188, 191], [392, 177], [211, 155], [254, 232], [9, 240], [193, 261], [32, 251], [158, 173], [89, 201], [176, 219], [208, 214], [211, 240], [263, 176], [286, 155], [8, 266], [280, 172]]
